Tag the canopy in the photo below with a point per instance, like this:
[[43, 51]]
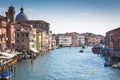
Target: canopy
[[34, 50], [6, 74], [3, 57], [8, 55]]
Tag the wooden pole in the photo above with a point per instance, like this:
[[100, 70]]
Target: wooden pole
[[14, 70], [31, 57], [9, 71]]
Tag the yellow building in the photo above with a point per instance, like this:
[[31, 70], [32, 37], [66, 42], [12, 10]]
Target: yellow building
[[42, 40], [37, 41]]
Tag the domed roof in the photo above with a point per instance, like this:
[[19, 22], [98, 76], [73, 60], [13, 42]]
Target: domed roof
[[21, 16]]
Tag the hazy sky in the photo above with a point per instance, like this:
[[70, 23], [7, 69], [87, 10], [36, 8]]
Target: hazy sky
[[97, 16]]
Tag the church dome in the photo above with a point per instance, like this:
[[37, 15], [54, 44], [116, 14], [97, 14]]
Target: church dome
[[21, 16]]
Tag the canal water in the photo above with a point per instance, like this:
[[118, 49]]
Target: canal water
[[66, 64]]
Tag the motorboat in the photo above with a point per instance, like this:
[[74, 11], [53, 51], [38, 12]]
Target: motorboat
[[81, 51], [5, 75], [83, 47]]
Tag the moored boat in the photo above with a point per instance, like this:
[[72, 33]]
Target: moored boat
[[5, 75], [96, 50]]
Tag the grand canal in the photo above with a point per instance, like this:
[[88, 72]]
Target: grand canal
[[66, 64]]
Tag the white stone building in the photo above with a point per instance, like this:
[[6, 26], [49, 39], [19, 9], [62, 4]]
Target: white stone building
[[65, 40], [81, 40], [25, 38]]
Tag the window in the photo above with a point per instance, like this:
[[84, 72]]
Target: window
[[22, 34], [33, 35], [26, 35], [18, 46], [22, 40], [32, 40], [5, 35], [17, 40], [12, 37], [32, 46], [17, 30], [17, 35]]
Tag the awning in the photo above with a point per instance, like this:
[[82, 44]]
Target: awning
[[4, 57], [8, 55], [34, 50]]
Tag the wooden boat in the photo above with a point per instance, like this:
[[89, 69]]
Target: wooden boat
[[81, 51]]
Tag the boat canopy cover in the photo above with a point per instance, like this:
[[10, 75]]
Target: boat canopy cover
[[8, 55], [34, 50], [5, 74]]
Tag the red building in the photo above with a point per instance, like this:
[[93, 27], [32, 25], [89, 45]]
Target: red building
[[7, 34], [10, 36], [10, 19], [112, 43], [113, 39], [3, 33]]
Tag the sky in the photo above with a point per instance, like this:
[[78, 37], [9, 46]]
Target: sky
[[94, 16]]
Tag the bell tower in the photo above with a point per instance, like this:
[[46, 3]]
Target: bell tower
[[11, 12]]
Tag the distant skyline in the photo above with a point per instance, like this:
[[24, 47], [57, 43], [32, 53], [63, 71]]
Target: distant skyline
[[94, 16]]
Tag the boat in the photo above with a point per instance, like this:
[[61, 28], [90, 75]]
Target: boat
[[83, 47], [26, 56], [6, 75], [116, 66], [96, 49], [81, 51]]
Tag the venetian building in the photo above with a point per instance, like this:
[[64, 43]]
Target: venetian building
[[113, 39], [7, 29], [42, 29], [10, 19], [81, 40], [65, 40], [50, 40], [75, 38], [112, 44], [3, 33], [53, 41], [21, 16], [25, 38], [10, 36], [41, 40], [11, 14]]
